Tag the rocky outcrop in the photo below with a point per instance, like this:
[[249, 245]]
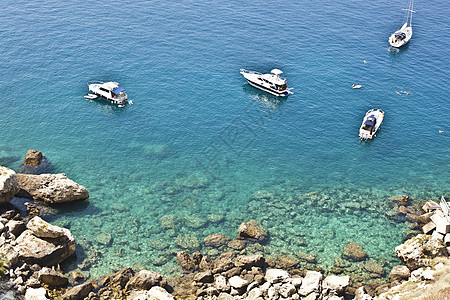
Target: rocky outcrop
[[32, 158], [185, 261], [419, 251], [44, 244], [50, 188], [9, 184], [155, 293], [78, 292]]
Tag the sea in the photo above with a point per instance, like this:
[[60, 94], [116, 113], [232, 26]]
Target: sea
[[199, 151]]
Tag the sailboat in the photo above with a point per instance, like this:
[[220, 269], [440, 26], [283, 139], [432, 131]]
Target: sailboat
[[403, 35]]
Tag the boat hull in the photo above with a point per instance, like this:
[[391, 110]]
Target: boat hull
[[262, 88], [397, 43]]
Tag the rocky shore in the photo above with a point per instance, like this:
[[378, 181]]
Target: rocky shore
[[31, 251]]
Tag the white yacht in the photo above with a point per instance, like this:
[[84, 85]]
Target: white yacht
[[403, 35], [371, 123], [110, 91], [271, 83]]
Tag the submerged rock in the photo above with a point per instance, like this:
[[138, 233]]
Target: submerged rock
[[50, 188], [188, 242], [354, 252], [216, 240], [9, 184]]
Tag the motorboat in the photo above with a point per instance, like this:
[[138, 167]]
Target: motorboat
[[371, 123], [110, 91], [271, 83], [403, 35]]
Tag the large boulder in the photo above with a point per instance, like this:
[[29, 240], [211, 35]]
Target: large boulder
[[120, 278], [144, 280], [9, 184], [39, 244], [335, 285], [50, 188], [399, 273], [155, 293], [418, 251], [354, 252], [253, 230], [185, 261]]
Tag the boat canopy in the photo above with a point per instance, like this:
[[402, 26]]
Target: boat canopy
[[371, 121], [117, 90], [276, 71]]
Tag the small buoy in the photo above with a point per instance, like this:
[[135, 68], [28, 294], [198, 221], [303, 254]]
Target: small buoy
[[365, 61], [441, 131]]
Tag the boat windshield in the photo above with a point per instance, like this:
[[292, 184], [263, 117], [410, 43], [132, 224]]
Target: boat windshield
[[400, 35]]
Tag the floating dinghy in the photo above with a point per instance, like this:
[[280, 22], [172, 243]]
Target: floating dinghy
[[90, 96], [356, 86]]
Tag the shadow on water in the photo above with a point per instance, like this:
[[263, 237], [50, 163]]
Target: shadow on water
[[263, 99], [396, 51], [107, 107]]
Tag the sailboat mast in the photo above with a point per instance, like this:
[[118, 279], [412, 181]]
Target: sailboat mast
[[411, 12]]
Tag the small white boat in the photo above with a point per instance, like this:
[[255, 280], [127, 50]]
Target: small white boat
[[403, 35], [356, 86], [271, 83], [90, 96], [371, 123], [109, 91]]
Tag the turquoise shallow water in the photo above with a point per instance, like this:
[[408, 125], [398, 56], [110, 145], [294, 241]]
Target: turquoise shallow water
[[202, 150]]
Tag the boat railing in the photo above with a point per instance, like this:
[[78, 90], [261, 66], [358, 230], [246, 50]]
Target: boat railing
[[249, 72]]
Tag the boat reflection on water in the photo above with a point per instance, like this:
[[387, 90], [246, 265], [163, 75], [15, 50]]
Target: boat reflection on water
[[264, 100]]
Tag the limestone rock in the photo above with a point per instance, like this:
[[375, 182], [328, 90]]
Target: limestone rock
[[216, 240], [206, 264], [52, 277], [16, 227], [120, 278], [188, 242], [249, 261], [399, 273], [78, 292], [185, 261], [276, 275], [223, 262], [104, 238], [353, 251], [9, 184], [287, 290], [237, 282], [36, 294], [221, 284], [204, 277], [42, 229], [253, 230], [155, 293], [144, 280], [418, 251], [311, 283], [237, 244], [45, 251], [335, 284], [32, 158], [50, 188]]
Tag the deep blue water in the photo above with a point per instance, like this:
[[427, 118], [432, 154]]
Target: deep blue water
[[201, 145]]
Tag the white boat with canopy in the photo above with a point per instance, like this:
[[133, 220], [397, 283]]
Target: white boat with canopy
[[403, 35], [271, 83], [371, 122], [110, 91]]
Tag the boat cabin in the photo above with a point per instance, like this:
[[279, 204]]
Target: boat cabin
[[369, 124], [399, 35]]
